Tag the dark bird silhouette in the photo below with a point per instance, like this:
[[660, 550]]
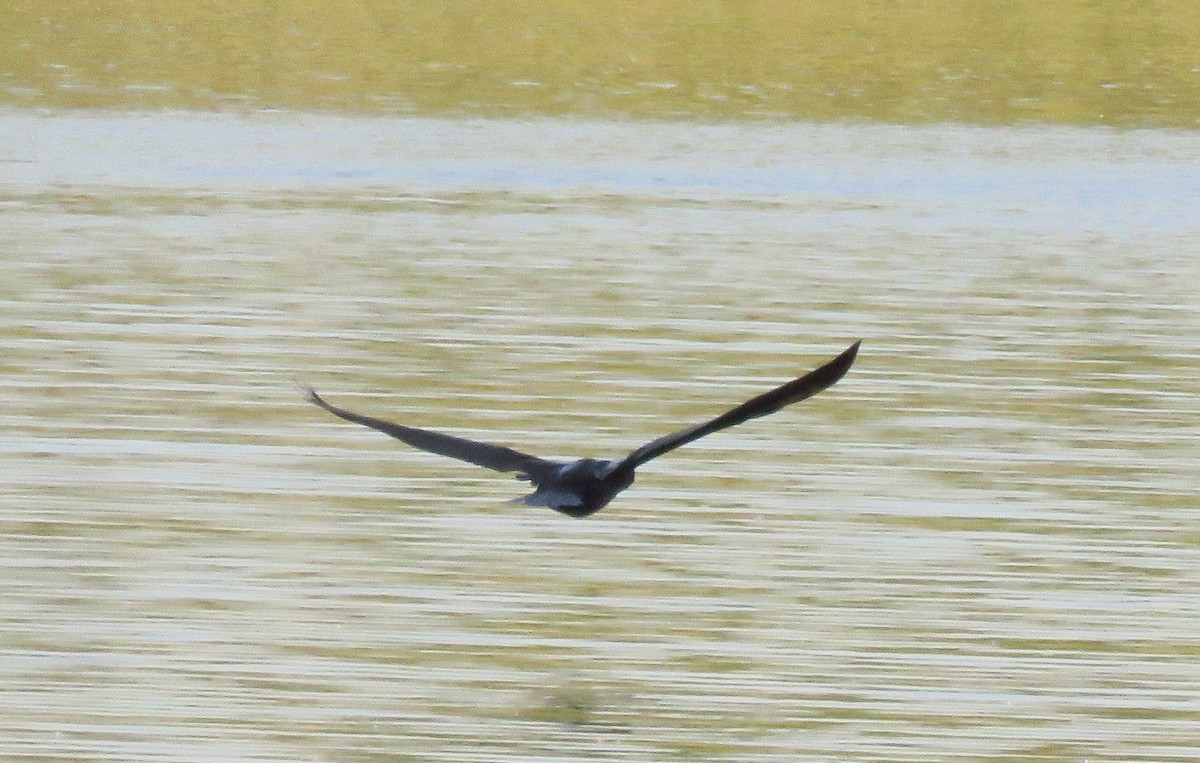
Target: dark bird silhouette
[[583, 487]]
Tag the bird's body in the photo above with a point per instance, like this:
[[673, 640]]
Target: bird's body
[[583, 487]]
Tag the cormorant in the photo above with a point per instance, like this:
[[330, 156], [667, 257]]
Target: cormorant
[[585, 486]]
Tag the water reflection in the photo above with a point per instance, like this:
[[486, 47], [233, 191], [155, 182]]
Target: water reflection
[[983, 545]]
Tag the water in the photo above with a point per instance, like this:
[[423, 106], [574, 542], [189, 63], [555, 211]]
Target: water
[[1054, 61], [981, 545]]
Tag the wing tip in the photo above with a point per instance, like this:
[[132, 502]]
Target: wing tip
[[846, 359], [310, 394], [852, 350]]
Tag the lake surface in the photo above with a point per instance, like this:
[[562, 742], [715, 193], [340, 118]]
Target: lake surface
[[1076, 62], [983, 544]]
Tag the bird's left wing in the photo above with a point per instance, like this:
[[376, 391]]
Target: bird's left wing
[[483, 454]]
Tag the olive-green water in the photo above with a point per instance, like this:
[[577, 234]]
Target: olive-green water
[[983, 544], [571, 228], [1080, 62]]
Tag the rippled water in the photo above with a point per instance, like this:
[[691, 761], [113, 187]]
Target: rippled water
[[984, 544]]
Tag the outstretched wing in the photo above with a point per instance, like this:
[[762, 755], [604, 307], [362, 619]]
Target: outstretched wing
[[483, 454], [768, 402]]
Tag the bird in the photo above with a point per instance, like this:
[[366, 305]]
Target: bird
[[582, 487]]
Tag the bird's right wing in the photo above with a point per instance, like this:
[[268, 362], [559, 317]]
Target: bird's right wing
[[768, 402], [483, 454]]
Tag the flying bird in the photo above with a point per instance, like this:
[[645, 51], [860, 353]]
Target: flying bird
[[583, 487]]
